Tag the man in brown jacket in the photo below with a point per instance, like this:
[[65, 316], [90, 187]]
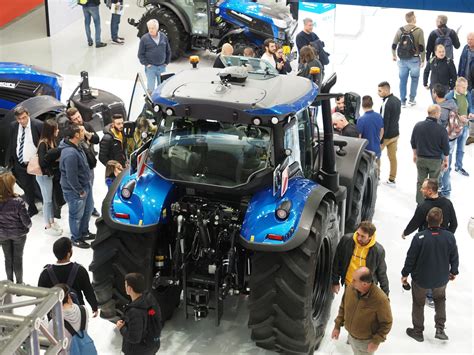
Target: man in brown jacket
[[365, 313]]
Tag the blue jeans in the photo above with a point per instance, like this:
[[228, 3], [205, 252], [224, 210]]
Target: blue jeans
[[408, 67], [46, 186], [80, 211], [153, 73], [445, 177], [461, 143], [114, 26], [92, 12]]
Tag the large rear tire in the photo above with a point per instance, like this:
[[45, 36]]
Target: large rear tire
[[171, 26], [364, 193], [115, 254], [290, 292]]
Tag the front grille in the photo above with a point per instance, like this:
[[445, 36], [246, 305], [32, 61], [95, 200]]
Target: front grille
[[23, 90]]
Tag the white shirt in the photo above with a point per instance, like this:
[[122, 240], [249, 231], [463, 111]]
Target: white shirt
[[29, 148], [269, 58]]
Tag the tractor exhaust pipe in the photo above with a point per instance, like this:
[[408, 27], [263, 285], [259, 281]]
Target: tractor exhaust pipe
[[328, 176]]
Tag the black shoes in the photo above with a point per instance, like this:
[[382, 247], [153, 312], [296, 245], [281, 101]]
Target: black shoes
[[462, 171], [100, 45], [440, 334], [95, 213], [89, 236], [90, 43], [418, 336], [80, 244]]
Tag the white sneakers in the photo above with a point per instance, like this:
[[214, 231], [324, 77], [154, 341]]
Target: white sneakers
[[55, 230]]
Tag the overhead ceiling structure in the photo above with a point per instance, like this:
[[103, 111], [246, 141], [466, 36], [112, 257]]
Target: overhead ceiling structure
[[436, 5]]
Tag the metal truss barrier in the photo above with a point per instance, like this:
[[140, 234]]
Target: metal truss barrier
[[27, 334]]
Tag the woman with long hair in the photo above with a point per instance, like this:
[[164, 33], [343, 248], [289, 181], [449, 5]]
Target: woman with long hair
[[48, 155], [14, 226], [308, 60]]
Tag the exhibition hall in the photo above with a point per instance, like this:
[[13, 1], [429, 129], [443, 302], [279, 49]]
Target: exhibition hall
[[236, 177]]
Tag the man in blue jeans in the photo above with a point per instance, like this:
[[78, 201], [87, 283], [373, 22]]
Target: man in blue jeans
[[75, 182], [463, 99], [91, 11], [154, 53], [409, 46]]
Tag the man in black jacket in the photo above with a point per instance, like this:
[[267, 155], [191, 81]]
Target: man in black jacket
[[442, 69], [430, 145], [432, 261], [343, 127], [355, 251], [113, 145], [135, 325], [81, 284], [429, 189], [441, 30], [25, 135], [390, 111]]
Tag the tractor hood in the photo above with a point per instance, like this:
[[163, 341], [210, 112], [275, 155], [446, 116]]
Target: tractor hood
[[266, 10]]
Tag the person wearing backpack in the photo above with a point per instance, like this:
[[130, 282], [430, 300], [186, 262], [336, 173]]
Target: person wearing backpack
[[409, 45], [70, 273], [140, 326], [442, 70], [463, 99], [448, 110], [76, 321], [442, 35], [466, 60]]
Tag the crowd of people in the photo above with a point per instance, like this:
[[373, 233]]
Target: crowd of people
[[66, 158]]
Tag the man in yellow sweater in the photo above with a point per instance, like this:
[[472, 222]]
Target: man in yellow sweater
[[355, 251], [365, 313]]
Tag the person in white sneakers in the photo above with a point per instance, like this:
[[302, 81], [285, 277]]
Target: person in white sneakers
[[48, 157]]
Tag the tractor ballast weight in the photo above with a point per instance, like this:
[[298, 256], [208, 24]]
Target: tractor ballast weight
[[236, 173]]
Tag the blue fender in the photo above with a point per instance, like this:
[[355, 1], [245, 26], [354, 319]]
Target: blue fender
[[148, 206], [260, 220]]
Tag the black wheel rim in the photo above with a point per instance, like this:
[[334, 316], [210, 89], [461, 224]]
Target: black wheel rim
[[322, 278], [366, 199]]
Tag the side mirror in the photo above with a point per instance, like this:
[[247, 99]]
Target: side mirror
[[280, 177]]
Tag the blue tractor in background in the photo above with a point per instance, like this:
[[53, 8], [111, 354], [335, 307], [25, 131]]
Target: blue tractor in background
[[237, 192], [208, 24]]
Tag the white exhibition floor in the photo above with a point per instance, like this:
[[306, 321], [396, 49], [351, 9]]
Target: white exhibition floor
[[361, 62]]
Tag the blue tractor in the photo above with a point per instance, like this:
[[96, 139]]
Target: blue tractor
[[208, 24], [238, 191]]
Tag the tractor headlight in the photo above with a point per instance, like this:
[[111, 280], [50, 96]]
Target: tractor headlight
[[127, 189], [283, 211]]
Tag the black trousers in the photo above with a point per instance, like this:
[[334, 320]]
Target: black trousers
[[13, 251], [28, 184]]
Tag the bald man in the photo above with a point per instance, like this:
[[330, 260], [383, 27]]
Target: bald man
[[430, 145], [365, 313], [226, 50]]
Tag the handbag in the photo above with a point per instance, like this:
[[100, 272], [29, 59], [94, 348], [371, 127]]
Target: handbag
[[34, 167]]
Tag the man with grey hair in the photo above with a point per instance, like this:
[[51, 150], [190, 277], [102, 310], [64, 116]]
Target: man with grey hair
[[430, 145], [343, 127], [307, 36], [442, 35], [467, 59], [154, 52]]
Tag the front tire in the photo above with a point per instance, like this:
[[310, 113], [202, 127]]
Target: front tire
[[290, 292]]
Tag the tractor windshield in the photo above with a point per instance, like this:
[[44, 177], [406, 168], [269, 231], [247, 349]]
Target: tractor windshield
[[209, 152]]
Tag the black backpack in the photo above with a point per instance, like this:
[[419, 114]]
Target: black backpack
[[70, 280], [323, 55], [406, 48], [445, 40], [153, 326]]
